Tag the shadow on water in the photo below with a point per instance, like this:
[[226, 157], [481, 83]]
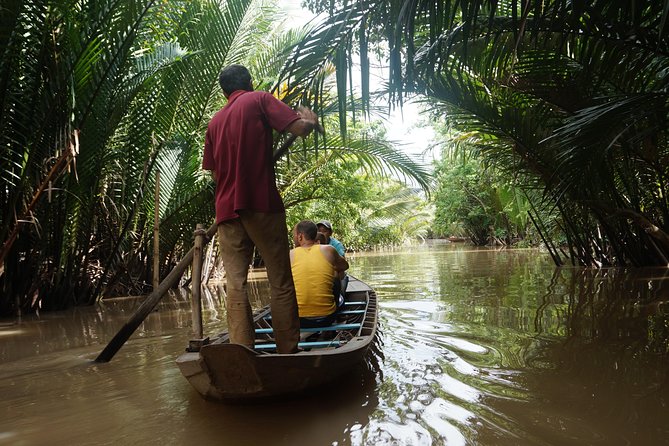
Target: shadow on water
[[140, 397], [55, 394], [327, 416], [323, 416], [479, 347], [602, 363]]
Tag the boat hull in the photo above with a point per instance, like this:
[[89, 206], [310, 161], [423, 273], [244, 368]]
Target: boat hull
[[224, 371]]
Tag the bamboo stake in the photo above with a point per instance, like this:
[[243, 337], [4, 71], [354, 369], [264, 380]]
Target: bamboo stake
[[196, 290], [207, 263], [148, 305], [156, 234]]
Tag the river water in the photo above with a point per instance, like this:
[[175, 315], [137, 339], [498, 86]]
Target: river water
[[478, 347]]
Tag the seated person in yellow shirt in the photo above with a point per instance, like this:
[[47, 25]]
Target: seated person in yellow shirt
[[315, 268]]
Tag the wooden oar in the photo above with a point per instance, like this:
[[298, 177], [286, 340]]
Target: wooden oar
[[149, 304], [168, 282]]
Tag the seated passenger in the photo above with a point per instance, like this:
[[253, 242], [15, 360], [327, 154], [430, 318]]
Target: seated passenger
[[339, 286], [315, 268], [324, 237], [325, 227], [321, 239]]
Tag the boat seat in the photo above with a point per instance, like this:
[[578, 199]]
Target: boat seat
[[315, 329], [317, 344], [346, 304], [351, 312]]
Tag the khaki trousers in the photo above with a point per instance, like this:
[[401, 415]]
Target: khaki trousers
[[267, 231]]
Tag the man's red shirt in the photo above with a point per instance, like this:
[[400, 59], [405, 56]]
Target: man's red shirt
[[238, 148]]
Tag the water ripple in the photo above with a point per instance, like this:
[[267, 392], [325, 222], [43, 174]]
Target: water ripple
[[477, 348], [436, 379], [475, 352]]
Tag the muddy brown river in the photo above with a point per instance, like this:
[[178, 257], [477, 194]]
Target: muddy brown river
[[478, 347]]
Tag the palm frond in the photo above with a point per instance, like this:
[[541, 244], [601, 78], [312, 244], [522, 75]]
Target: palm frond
[[381, 158]]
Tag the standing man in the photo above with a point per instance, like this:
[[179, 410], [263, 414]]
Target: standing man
[[325, 227], [249, 209]]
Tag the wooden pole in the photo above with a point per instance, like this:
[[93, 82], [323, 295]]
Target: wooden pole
[[148, 305], [209, 260], [156, 235], [196, 289]]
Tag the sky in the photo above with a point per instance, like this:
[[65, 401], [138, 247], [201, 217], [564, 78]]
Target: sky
[[402, 125]]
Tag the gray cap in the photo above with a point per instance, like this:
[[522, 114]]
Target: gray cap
[[325, 223]]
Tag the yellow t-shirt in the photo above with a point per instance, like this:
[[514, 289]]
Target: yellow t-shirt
[[313, 276]]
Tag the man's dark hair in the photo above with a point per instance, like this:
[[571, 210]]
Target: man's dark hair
[[307, 228], [233, 78]]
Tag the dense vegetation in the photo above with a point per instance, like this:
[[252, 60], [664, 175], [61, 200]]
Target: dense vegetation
[[365, 210], [568, 98], [563, 104], [486, 210], [97, 97]]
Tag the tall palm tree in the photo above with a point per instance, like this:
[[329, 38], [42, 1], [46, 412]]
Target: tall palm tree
[[68, 72], [572, 95], [98, 96]]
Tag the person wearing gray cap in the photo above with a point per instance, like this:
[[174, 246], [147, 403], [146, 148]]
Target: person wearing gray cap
[[325, 227]]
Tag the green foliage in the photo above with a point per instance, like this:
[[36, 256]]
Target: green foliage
[[473, 201], [69, 74], [351, 184], [365, 211], [100, 96], [569, 99], [460, 202], [557, 112]]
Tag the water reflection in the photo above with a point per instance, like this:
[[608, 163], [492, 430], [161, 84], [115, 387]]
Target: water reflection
[[479, 347], [87, 326], [496, 348]]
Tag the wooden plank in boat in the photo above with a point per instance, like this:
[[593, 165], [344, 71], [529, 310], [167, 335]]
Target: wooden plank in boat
[[244, 375], [356, 286], [315, 344], [315, 329]]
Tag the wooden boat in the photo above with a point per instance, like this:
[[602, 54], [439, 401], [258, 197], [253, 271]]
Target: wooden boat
[[223, 371], [455, 239]]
